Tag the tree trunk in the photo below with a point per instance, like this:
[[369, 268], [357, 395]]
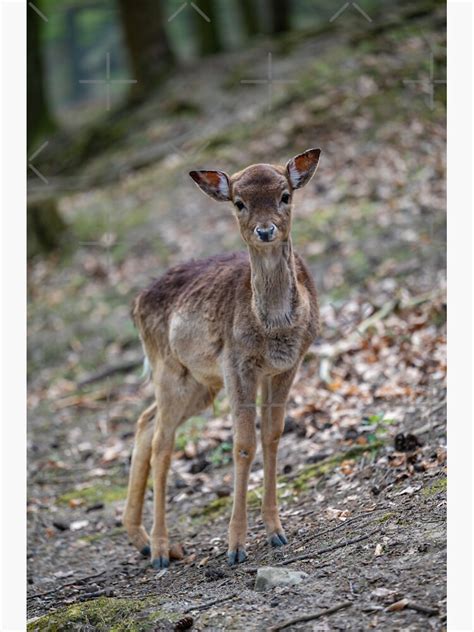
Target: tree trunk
[[39, 118], [147, 43], [250, 16], [207, 28], [280, 15], [46, 229], [73, 54]]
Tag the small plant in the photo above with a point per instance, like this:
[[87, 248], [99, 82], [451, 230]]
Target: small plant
[[378, 426], [222, 455]]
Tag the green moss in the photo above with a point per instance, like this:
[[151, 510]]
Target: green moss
[[386, 517], [328, 465], [95, 494], [212, 509], [438, 486], [105, 614]]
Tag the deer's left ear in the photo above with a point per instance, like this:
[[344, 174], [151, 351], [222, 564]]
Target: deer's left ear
[[213, 183], [301, 168]]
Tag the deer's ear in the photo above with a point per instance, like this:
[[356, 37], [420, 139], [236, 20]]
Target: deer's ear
[[301, 168], [214, 183]]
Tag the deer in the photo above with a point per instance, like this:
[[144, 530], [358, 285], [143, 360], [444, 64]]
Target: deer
[[242, 321]]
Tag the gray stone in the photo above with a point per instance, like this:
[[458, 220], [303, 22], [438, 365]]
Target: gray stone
[[270, 576]]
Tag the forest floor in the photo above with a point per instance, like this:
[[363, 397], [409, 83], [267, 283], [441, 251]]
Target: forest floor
[[363, 458]]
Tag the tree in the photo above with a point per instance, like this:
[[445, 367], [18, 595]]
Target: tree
[[249, 10], [46, 229], [39, 118], [146, 41], [207, 28], [280, 15]]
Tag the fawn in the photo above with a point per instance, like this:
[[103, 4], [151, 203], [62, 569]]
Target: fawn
[[243, 320]]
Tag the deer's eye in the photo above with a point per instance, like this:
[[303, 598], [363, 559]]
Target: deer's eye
[[240, 205], [285, 198]]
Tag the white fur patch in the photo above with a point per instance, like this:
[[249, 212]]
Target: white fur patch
[[146, 372], [295, 175], [223, 187]]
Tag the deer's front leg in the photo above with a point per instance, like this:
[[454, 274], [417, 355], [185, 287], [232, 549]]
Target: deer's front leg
[[242, 396], [274, 395]]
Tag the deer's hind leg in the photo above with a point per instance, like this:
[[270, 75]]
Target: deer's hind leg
[[139, 470], [179, 396]]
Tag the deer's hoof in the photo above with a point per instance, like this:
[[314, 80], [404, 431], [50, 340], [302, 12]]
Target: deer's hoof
[[278, 539], [236, 557], [146, 551], [160, 563]]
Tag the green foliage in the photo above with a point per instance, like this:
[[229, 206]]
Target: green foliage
[[379, 425], [222, 455]]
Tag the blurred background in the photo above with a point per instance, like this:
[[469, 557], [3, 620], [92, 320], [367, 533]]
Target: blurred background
[[124, 98]]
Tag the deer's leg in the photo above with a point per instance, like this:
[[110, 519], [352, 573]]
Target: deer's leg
[[274, 395], [178, 396], [140, 467], [242, 393]]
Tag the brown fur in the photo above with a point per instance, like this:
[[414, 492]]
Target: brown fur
[[243, 320]]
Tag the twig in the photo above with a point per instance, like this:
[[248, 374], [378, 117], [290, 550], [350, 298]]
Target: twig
[[209, 604], [412, 605], [81, 580], [328, 549], [124, 367], [423, 609], [339, 526], [311, 616]]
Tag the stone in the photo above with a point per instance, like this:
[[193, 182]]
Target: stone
[[270, 576]]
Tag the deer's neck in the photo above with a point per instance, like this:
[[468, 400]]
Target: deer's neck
[[274, 289]]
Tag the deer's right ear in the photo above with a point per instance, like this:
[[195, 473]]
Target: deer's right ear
[[301, 168], [214, 183]]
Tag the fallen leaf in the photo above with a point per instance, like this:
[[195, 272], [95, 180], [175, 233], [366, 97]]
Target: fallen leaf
[[75, 502], [398, 605]]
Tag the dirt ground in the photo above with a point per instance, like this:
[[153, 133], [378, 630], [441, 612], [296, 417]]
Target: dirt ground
[[363, 458]]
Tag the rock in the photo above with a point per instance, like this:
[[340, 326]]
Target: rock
[[270, 576], [223, 491]]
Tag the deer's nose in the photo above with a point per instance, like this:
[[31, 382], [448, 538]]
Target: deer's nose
[[267, 233]]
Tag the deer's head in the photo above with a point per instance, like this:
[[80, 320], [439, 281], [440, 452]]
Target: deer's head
[[262, 195]]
